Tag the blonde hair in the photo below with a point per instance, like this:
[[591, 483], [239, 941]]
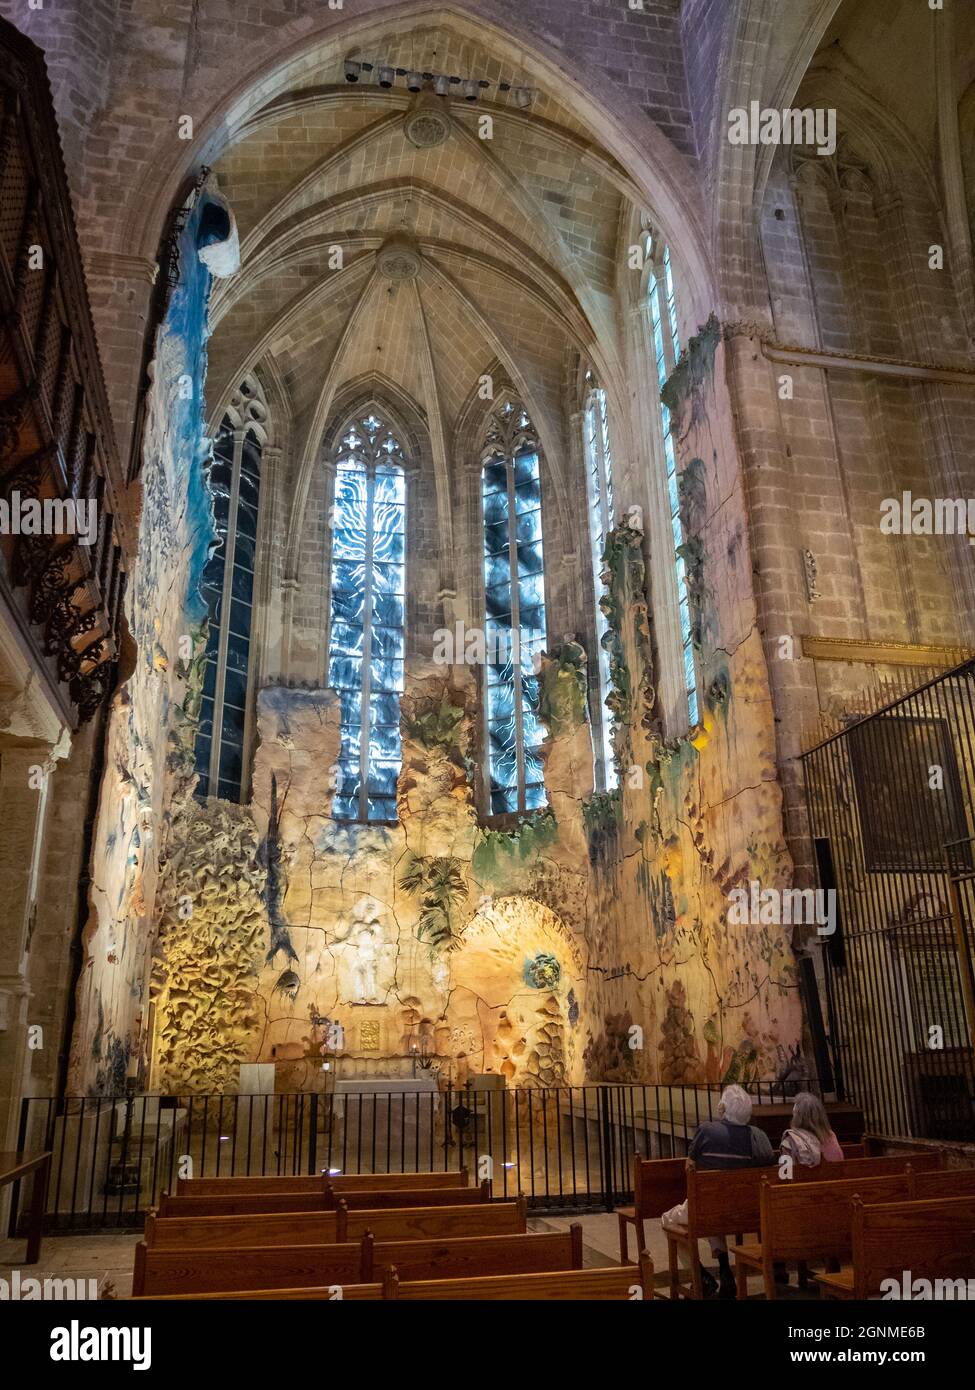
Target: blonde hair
[[809, 1113]]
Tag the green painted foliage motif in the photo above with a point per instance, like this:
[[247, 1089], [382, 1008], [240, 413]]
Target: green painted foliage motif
[[438, 882]]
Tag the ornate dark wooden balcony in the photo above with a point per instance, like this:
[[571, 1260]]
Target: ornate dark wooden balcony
[[56, 435]]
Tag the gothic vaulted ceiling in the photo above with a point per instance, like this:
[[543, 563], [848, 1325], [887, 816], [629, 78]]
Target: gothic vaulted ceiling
[[403, 235]]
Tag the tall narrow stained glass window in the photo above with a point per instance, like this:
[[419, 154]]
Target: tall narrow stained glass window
[[599, 477], [662, 306], [228, 587], [514, 593], [367, 636]]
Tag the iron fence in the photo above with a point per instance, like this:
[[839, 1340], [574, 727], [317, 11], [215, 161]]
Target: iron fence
[[890, 803], [567, 1148]]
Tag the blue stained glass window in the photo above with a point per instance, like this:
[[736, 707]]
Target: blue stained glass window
[[514, 598], [662, 303], [599, 474], [367, 637], [228, 588]]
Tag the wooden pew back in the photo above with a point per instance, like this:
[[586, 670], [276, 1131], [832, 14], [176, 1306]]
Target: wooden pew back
[[333, 1293], [161, 1271], [251, 1187], [228, 1232], [932, 1239], [356, 1200], [246, 1203], [880, 1167], [479, 1256], [947, 1182], [723, 1201], [719, 1201], [438, 1223], [317, 1182], [242, 1205], [327, 1227], [658, 1185], [803, 1221], [615, 1282]]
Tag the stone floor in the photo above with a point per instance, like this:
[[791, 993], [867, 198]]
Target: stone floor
[[109, 1257]]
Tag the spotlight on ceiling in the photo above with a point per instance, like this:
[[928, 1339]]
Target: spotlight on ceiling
[[414, 81], [386, 76], [352, 70], [524, 96], [441, 85], [471, 89]]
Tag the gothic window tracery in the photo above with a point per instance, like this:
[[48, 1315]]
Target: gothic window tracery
[[599, 480], [367, 629], [228, 588], [661, 307], [514, 595]]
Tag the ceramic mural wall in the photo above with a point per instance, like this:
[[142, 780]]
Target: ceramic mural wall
[[151, 723]]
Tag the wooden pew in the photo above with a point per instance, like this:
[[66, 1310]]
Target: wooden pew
[[948, 1182], [870, 1167], [185, 1273], [317, 1182], [430, 1223], [161, 1271], [357, 1200], [658, 1185], [723, 1201], [480, 1256], [334, 1293], [620, 1282], [930, 1239], [226, 1232], [243, 1204], [263, 1203], [315, 1228], [808, 1221]]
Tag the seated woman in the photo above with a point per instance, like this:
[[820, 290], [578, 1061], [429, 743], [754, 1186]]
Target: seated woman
[[727, 1142], [810, 1140]]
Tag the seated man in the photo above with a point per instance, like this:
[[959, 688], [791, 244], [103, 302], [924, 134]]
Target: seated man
[[727, 1142]]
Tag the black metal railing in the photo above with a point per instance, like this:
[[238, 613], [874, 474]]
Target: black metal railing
[[568, 1148], [891, 815]]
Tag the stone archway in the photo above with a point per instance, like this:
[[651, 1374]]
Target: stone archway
[[516, 984]]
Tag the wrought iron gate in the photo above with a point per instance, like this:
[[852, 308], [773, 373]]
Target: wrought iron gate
[[891, 815]]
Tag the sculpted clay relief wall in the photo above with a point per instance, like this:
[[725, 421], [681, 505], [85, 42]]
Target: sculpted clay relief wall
[[695, 819], [426, 937], [151, 727], [590, 942]]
